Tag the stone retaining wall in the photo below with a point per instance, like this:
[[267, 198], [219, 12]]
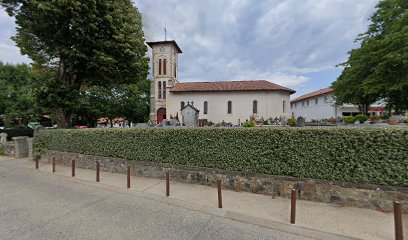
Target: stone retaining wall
[[344, 194]]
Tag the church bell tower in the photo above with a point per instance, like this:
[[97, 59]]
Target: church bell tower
[[165, 75]]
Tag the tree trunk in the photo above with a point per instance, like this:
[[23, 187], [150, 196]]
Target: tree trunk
[[63, 118]]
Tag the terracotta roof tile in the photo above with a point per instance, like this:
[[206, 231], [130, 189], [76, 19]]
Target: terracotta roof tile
[[313, 94], [229, 86]]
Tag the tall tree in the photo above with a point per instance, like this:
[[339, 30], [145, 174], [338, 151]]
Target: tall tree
[[17, 98], [82, 43], [379, 68]]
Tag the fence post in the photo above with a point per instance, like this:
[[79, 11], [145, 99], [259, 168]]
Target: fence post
[[97, 171], [399, 235], [219, 193], [73, 168], [293, 206], [53, 165], [167, 184], [37, 165], [128, 177]]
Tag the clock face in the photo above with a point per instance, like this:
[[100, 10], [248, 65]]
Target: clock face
[[162, 49]]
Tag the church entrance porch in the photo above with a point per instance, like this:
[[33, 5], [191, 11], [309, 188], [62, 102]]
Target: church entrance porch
[[161, 114]]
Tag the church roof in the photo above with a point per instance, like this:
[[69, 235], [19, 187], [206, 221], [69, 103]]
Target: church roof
[[313, 94], [151, 44], [229, 86]]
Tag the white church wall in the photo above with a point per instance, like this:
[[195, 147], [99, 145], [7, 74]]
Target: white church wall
[[270, 104]]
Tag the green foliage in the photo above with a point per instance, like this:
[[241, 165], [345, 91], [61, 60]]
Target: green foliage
[[378, 69], [2, 150], [405, 120], [249, 124], [77, 44], [362, 155], [349, 119], [17, 98], [361, 118], [293, 121]]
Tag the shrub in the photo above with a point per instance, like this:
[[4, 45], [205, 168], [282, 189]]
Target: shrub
[[249, 124], [363, 155], [405, 120], [17, 132], [361, 118], [2, 150], [349, 119], [373, 118], [293, 121]]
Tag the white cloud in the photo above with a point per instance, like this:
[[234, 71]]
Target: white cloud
[[283, 41]]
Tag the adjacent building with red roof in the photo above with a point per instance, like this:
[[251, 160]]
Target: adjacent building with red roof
[[320, 104]]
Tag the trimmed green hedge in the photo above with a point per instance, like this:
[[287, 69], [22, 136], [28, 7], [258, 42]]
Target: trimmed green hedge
[[362, 154]]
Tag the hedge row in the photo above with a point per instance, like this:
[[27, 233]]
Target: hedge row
[[17, 132], [362, 155]]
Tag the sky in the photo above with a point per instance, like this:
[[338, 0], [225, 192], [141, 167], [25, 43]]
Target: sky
[[293, 43]]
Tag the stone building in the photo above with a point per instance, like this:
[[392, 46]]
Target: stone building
[[229, 101]]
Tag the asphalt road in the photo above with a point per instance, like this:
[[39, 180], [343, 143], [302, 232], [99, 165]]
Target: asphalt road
[[39, 205]]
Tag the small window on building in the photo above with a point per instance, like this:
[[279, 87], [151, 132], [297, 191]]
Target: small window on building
[[175, 71], [229, 107], [303, 103], [164, 90], [164, 67], [284, 106], [255, 107], [160, 66], [316, 101], [205, 107], [160, 89], [182, 104], [307, 102], [326, 99], [295, 105]]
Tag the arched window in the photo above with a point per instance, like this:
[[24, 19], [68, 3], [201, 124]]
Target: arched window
[[160, 66], [175, 70], [164, 90], [205, 107], [160, 89], [229, 107], [255, 107], [283, 106], [164, 66], [182, 104]]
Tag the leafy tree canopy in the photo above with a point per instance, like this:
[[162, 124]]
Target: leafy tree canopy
[[379, 68], [79, 44]]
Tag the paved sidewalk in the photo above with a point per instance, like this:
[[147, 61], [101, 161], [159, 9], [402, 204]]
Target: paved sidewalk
[[248, 207]]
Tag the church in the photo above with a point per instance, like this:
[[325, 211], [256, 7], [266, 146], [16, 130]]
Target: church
[[228, 101]]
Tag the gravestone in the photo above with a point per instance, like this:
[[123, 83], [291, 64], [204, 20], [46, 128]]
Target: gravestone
[[393, 120], [190, 115], [3, 138], [300, 122], [142, 125]]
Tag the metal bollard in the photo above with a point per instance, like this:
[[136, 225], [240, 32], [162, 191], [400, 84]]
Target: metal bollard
[[97, 171], [293, 206], [128, 177], [53, 165], [167, 184], [399, 235], [219, 193], [73, 168], [37, 164]]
